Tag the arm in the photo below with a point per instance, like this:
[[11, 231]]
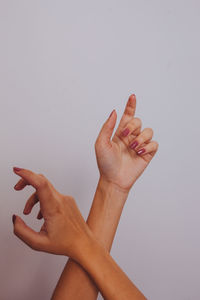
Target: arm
[[103, 219], [62, 218], [113, 157], [109, 278], [119, 165]]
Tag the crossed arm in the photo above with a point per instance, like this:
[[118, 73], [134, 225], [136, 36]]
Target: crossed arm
[[120, 164], [75, 282]]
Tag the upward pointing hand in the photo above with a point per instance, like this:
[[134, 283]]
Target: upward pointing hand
[[122, 159]]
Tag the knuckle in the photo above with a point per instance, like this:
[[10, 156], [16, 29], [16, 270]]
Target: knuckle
[[156, 145], [149, 130], [42, 183], [138, 122], [70, 201], [41, 175], [140, 140]]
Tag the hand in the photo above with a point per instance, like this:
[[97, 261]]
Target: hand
[[64, 230], [123, 159]]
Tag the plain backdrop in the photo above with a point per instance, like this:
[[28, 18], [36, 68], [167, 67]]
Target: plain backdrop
[[64, 66]]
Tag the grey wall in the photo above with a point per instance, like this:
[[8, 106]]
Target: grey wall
[[64, 65]]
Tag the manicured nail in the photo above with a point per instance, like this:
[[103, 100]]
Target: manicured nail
[[16, 169], [16, 186], [133, 145], [13, 219], [125, 132], [25, 211], [111, 114], [141, 151]]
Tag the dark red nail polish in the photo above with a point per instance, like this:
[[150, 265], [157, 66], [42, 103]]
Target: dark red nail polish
[[141, 151], [16, 169], [13, 219], [125, 132], [133, 145]]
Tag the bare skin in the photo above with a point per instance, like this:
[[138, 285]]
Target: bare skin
[[65, 232], [119, 167]]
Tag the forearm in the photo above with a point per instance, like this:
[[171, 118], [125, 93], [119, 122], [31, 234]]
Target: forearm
[[106, 211], [112, 282], [107, 206]]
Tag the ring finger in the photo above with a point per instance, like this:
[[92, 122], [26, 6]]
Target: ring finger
[[144, 137]]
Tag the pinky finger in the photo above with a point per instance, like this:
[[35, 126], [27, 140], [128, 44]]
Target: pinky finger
[[150, 148]]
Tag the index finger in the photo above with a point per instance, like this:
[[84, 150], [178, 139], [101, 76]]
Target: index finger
[[44, 189], [128, 114], [29, 177]]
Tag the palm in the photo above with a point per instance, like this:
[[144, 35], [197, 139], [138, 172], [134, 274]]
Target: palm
[[116, 161], [120, 165]]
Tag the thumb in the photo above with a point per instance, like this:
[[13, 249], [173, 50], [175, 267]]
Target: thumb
[[107, 128], [35, 240]]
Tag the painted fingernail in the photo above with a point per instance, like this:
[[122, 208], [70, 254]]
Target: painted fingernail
[[141, 151], [111, 114], [16, 169], [133, 145], [13, 219], [26, 211], [125, 132]]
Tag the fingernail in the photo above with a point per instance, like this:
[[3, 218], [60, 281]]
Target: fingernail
[[141, 151], [16, 169], [133, 145], [16, 186], [125, 132], [13, 219], [111, 114]]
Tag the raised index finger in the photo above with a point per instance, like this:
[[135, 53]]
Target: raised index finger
[[128, 114], [130, 106]]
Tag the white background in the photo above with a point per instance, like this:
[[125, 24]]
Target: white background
[[64, 66]]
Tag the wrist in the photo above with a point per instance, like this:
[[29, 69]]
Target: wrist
[[88, 250], [80, 247], [106, 211], [85, 248], [112, 190]]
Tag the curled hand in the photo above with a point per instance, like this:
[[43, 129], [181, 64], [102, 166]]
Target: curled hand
[[64, 230]]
